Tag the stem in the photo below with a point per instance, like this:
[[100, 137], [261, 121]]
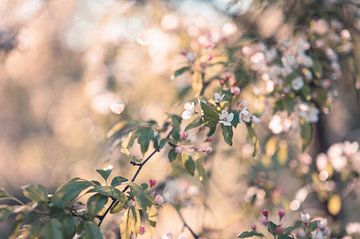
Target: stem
[[140, 166], [196, 236]]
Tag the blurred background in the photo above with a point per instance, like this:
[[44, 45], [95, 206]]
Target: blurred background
[[62, 64]]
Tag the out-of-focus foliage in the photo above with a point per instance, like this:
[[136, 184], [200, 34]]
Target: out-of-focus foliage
[[231, 105]]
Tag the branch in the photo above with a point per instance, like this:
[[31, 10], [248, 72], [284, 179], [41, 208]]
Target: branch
[[140, 166], [196, 236]]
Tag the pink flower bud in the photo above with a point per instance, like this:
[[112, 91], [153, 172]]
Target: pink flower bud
[[184, 135], [264, 221], [141, 230], [178, 150], [197, 148], [152, 182], [159, 200], [210, 57], [265, 213], [253, 227], [301, 233], [235, 90], [227, 76], [222, 82], [209, 139], [281, 213], [208, 149], [279, 229]]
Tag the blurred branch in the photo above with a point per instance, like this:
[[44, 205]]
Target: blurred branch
[[196, 236]]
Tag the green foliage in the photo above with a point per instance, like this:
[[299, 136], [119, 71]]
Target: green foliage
[[247, 234]]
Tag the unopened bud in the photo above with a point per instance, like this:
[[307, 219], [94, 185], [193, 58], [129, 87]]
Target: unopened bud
[[208, 149], [141, 230], [178, 149], [159, 200], [265, 213], [184, 135], [253, 227], [235, 90], [152, 182], [281, 213]]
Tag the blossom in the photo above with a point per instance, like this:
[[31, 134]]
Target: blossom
[[245, 116], [255, 119], [167, 236], [305, 217], [218, 98], [226, 118], [117, 107], [178, 149], [308, 112], [235, 90], [297, 83], [189, 110], [208, 149], [159, 200]]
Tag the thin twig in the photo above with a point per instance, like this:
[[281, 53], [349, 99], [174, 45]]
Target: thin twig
[[140, 166], [196, 236]]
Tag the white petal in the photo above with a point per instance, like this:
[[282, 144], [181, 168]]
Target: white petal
[[189, 106], [186, 115], [230, 117], [117, 107]]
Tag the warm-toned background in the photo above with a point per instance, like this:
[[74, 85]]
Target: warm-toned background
[[63, 62]]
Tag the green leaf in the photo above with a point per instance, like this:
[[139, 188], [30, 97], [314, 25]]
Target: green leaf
[[52, 230], [211, 117], [109, 191], [68, 226], [312, 226], [181, 70], [227, 133], [141, 197], [247, 234], [145, 136], [272, 228], [70, 190], [119, 205], [306, 133], [288, 230], [172, 155], [4, 194], [91, 231], [5, 213], [195, 123], [190, 165], [162, 143], [36, 193], [95, 203], [116, 181], [104, 173]]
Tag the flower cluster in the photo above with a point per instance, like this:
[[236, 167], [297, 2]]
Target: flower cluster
[[301, 229]]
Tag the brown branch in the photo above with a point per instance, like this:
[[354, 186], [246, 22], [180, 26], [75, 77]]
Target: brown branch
[[196, 236], [140, 166]]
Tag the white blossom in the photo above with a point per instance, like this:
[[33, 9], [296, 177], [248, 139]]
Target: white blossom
[[117, 107], [189, 110], [245, 116], [226, 118], [218, 98], [297, 83], [305, 217]]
